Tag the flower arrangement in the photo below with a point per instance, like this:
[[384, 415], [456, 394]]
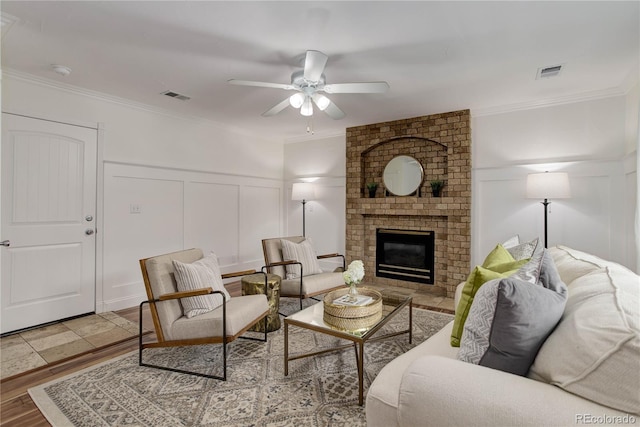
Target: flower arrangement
[[354, 273]]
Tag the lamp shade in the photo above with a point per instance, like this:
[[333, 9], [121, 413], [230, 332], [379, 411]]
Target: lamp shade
[[303, 191], [548, 185]]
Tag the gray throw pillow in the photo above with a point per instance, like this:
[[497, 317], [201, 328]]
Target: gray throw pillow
[[511, 318]]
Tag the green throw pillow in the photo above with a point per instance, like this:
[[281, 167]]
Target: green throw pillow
[[499, 255], [497, 265]]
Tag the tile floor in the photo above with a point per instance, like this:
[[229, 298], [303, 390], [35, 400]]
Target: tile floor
[[38, 347]]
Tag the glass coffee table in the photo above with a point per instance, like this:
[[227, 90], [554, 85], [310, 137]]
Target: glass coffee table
[[312, 318]]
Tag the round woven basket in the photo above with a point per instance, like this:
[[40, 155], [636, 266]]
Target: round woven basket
[[352, 318]]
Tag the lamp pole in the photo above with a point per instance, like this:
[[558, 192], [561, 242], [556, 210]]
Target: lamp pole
[[545, 204], [304, 202]]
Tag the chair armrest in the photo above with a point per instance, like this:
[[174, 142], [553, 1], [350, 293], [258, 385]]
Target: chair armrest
[[334, 255], [276, 264], [329, 255], [238, 274], [186, 294]]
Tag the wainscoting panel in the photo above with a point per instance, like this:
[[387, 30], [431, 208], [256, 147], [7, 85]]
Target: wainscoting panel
[[260, 216], [151, 210], [596, 219], [143, 217], [213, 222]]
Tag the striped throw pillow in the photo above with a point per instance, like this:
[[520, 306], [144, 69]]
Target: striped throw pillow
[[203, 273], [302, 252]]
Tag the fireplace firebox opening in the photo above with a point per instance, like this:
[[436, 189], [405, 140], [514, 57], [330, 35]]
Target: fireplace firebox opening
[[405, 255]]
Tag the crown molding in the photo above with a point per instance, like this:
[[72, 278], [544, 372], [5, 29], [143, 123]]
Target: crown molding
[[569, 99], [101, 96]]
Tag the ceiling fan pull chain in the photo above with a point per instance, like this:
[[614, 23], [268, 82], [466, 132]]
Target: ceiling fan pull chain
[[310, 125]]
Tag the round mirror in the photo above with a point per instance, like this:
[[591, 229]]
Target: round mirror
[[402, 175]]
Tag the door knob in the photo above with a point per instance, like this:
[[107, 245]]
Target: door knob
[[5, 243], [88, 218], [88, 231]]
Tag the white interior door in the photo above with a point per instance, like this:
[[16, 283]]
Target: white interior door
[[48, 219]]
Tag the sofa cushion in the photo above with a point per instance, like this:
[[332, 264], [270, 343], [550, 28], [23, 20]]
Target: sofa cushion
[[594, 351], [203, 273], [572, 263], [498, 264], [302, 252], [240, 312], [510, 318], [312, 285]]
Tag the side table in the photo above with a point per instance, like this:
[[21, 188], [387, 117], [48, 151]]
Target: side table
[[254, 284]]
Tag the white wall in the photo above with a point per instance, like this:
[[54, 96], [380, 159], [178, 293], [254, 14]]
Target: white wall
[[586, 139], [324, 162], [182, 209], [197, 184]]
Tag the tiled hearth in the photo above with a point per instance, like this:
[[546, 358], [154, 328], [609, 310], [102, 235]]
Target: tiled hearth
[[442, 145]]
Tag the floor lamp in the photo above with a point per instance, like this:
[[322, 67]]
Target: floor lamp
[[548, 185], [303, 191]]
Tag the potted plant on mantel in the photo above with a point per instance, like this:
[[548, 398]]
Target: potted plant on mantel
[[372, 187], [436, 187]]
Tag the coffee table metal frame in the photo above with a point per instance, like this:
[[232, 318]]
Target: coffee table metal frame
[[311, 318]]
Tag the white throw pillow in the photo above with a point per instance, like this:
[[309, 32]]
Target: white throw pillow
[[511, 242], [594, 351], [302, 252], [203, 273], [523, 250]]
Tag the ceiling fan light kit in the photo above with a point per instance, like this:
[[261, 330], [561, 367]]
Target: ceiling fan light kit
[[296, 100], [307, 108], [308, 83]]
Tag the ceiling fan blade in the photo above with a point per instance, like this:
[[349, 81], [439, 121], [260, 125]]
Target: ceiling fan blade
[[369, 87], [276, 108], [260, 84], [334, 112], [314, 65]]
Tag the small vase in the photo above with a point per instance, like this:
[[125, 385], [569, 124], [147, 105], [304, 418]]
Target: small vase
[[353, 292], [372, 193]]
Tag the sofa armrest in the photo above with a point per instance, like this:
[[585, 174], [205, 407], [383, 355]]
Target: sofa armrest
[[458, 295], [448, 392]]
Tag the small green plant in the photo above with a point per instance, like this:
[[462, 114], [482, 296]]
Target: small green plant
[[436, 184], [372, 187], [436, 187]]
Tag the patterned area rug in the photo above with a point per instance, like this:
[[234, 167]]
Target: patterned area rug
[[319, 391]]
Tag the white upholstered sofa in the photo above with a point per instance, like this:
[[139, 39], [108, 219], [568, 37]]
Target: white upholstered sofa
[[586, 372]]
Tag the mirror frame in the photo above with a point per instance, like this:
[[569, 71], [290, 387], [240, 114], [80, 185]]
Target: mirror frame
[[404, 159]]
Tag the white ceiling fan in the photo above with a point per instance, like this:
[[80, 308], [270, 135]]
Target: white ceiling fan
[[309, 84]]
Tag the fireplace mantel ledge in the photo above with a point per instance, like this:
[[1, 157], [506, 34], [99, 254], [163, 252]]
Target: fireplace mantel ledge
[[444, 206]]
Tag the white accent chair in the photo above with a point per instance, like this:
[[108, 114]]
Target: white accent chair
[[221, 326], [305, 286]]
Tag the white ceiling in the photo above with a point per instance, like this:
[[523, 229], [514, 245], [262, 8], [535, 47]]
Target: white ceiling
[[436, 56]]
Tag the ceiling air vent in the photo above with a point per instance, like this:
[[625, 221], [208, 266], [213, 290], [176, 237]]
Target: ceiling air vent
[[176, 95], [546, 72]]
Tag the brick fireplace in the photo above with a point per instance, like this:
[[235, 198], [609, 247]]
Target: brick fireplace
[[442, 145]]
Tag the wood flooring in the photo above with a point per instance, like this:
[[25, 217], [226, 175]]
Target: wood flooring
[[17, 408]]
